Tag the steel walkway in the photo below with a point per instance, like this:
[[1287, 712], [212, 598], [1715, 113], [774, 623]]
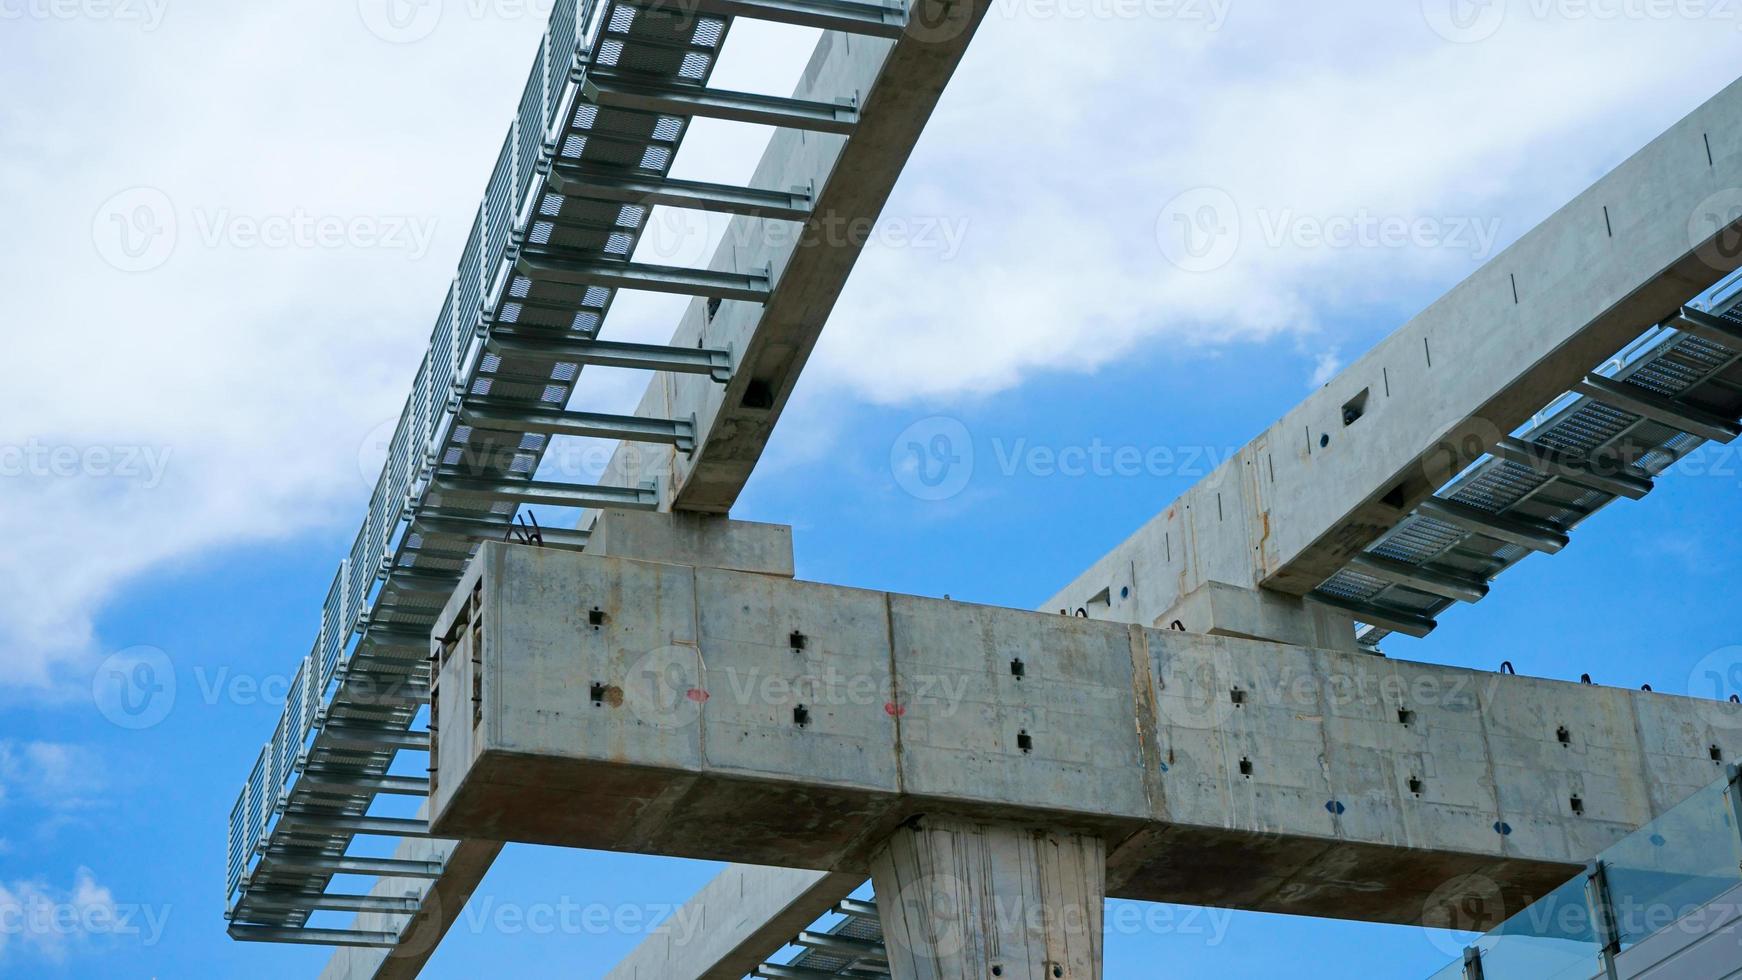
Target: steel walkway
[[1676, 388], [612, 92]]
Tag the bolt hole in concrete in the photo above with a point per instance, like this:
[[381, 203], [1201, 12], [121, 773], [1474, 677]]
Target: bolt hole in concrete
[[1024, 742], [1237, 696], [1405, 716], [596, 618], [1565, 737], [798, 640], [1717, 754], [1415, 786], [1325, 440], [997, 971], [1578, 806], [1017, 668], [801, 716], [1246, 768]]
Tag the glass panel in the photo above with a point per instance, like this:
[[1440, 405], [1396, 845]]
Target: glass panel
[[1551, 940], [1674, 865], [1452, 972]]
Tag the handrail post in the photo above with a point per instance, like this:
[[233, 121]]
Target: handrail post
[[1473, 964], [1597, 897]]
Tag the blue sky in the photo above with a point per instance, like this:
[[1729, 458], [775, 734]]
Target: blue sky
[[238, 386]]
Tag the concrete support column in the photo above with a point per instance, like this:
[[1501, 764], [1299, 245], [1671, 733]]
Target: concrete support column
[[968, 900]]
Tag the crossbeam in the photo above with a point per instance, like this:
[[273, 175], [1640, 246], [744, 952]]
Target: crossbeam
[[717, 364], [866, 17], [686, 99], [613, 274], [1648, 404], [594, 425], [669, 192], [724, 741], [1520, 531], [1620, 483], [551, 494]]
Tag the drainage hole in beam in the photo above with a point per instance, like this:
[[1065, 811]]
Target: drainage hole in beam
[[1405, 716], [1578, 807], [1563, 736], [798, 640], [1246, 768], [1415, 786], [801, 716], [1018, 668], [759, 395], [1024, 742], [597, 693], [1717, 754], [595, 617], [1237, 696]]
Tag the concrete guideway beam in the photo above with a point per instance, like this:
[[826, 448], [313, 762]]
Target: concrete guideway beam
[[700, 713], [1362, 453]]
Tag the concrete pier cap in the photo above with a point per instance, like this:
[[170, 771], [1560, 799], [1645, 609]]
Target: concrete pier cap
[[607, 703]]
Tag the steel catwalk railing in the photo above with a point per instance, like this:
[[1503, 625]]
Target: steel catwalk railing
[[536, 278], [1649, 881]]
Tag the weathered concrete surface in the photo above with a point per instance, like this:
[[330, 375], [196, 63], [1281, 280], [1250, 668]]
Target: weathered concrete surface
[[967, 899], [742, 914], [703, 540], [1220, 771], [1300, 500]]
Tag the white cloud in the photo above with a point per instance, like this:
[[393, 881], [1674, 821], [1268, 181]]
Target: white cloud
[[53, 776], [49, 923], [1325, 367], [244, 381], [1063, 141]]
